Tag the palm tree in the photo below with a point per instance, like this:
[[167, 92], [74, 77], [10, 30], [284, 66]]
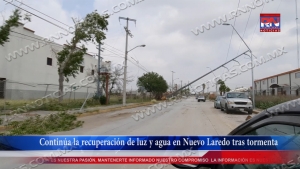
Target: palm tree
[[222, 87], [227, 89]]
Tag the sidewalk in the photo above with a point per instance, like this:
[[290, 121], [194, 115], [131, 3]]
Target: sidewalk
[[256, 111]]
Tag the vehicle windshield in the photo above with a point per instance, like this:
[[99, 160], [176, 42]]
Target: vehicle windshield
[[236, 95]]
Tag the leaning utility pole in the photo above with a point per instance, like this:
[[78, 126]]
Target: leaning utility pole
[[126, 52]]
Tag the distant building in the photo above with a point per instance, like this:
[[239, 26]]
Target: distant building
[[286, 83], [35, 74]]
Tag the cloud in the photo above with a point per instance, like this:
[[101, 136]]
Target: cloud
[[165, 27]]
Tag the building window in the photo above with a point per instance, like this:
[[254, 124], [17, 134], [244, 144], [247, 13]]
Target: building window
[[49, 61], [263, 82], [273, 80], [81, 69], [297, 75], [93, 72]]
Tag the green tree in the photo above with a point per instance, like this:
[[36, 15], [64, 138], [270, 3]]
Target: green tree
[[13, 21], [69, 59], [227, 89], [223, 88], [153, 83]]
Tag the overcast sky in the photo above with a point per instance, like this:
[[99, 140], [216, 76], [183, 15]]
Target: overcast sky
[[165, 28]]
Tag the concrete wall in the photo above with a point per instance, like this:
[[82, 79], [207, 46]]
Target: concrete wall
[[26, 75]]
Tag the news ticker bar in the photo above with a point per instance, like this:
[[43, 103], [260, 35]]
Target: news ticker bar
[[104, 153], [32, 143], [212, 157]]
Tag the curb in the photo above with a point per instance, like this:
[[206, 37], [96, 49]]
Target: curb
[[90, 113], [256, 111]]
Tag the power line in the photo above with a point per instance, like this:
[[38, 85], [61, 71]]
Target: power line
[[245, 31], [256, 25], [232, 33], [117, 50], [42, 13], [132, 62], [37, 16]]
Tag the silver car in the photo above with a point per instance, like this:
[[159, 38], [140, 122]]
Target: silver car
[[236, 101], [217, 102]]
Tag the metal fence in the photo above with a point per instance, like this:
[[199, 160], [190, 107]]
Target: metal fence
[[286, 90], [12, 90]]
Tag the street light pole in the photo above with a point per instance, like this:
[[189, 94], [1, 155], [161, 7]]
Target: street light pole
[[253, 95], [125, 70], [297, 34], [172, 80]]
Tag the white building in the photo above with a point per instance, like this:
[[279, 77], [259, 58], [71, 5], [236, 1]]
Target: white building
[[34, 75], [287, 83]]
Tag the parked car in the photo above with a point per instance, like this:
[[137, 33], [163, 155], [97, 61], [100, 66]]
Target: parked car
[[236, 101], [287, 122], [201, 98], [217, 102]]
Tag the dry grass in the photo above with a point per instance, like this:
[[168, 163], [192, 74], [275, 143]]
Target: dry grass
[[54, 105], [264, 102], [90, 113], [212, 97]]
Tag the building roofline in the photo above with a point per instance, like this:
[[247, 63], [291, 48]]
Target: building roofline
[[280, 74], [28, 29]]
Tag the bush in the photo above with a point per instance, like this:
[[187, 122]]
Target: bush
[[264, 102], [153, 101], [53, 123], [212, 97], [103, 100]]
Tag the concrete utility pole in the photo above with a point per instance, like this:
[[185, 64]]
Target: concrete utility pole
[[99, 91], [126, 52], [172, 80]]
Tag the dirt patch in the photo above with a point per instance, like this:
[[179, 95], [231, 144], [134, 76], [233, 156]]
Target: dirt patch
[[112, 109], [120, 115]]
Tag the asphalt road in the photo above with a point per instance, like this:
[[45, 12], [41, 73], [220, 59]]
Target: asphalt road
[[187, 117]]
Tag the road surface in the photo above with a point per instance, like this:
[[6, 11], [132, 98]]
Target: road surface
[[187, 117]]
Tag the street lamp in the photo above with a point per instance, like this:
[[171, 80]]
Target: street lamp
[[216, 83], [172, 80], [253, 95], [125, 72]]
